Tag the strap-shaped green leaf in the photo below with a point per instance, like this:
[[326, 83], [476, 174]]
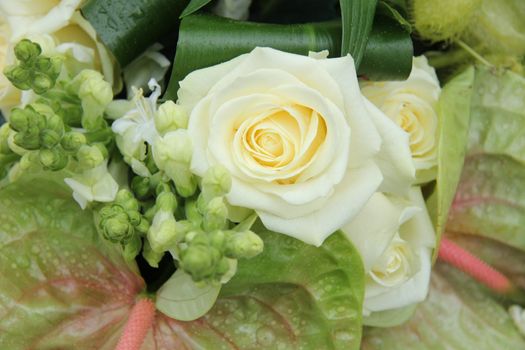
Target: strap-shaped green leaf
[[206, 40], [128, 27], [357, 18], [194, 6]]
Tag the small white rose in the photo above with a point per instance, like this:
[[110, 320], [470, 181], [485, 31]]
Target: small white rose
[[395, 239], [304, 148], [412, 105]]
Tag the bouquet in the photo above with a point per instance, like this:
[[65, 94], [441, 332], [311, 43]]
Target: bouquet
[[238, 174]]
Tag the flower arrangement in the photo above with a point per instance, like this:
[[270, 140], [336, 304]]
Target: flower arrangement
[[239, 174]]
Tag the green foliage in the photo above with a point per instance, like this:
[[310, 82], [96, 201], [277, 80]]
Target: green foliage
[[454, 110], [458, 314]]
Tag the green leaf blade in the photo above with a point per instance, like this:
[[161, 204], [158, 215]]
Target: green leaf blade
[[194, 6], [453, 126], [357, 18]]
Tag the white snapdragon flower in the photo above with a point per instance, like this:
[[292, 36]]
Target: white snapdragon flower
[[94, 184], [136, 129]]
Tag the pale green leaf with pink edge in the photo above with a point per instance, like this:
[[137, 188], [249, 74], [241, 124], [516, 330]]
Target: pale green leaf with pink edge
[[458, 314], [491, 195], [60, 285]]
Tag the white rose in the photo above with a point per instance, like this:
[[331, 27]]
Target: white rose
[[304, 148], [412, 105], [395, 239]]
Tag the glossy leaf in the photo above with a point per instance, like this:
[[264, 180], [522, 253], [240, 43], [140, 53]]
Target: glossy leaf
[[458, 314], [294, 11], [60, 285], [292, 296], [194, 6], [491, 195], [129, 27], [206, 40], [357, 17], [453, 127]]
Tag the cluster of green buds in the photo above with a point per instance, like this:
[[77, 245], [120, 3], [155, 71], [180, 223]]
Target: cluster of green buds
[[122, 221], [205, 243], [33, 70]]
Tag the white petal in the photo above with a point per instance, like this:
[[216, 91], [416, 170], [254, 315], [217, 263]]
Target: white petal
[[347, 201], [412, 291], [395, 157], [366, 140], [372, 230]]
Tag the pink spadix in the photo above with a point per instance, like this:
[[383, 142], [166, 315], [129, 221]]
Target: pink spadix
[[473, 266], [139, 323]]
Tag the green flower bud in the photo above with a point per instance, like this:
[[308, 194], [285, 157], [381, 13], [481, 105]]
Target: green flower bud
[[192, 213], [198, 261], [90, 156], [215, 215], [36, 120], [127, 200], [20, 77], [216, 182], [243, 245], [27, 140], [143, 226], [169, 117], [72, 141], [166, 201], [41, 83], [49, 138], [26, 50], [55, 123], [5, 130], [53, 159], [141, 186], [152, 257], [132, 248], [18, 120], [115, 224], [172, 154], [95, 94], [217, 239]]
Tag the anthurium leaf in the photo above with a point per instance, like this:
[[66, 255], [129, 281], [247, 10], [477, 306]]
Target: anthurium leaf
[[292, 296], [60, 286], [357, 17], [453, 126], [194, 6], [490, 200], [206, 40], [458, 314], [129, 27]]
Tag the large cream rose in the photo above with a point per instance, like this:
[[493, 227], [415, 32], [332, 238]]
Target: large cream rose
[[395, 238], [305, 149], [412, 105]]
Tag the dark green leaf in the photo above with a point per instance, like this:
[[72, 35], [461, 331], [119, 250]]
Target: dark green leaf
[[357, 17], [458, 314], [206, 40], [389, 51], [128, 27], [194, 6], [454, 116], [293, 11]]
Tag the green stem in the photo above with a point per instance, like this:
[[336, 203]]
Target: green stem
[[473, 53]]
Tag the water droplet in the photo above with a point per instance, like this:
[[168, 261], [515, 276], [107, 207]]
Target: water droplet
[[343, 336], [265, 336]]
